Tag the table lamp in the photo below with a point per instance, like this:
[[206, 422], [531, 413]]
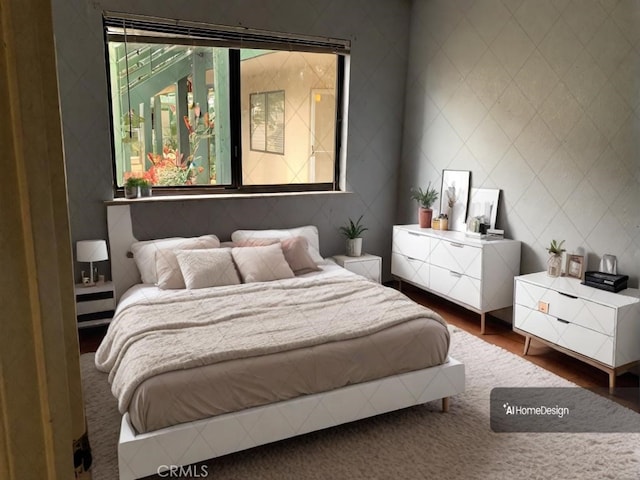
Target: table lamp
[[91, 251]]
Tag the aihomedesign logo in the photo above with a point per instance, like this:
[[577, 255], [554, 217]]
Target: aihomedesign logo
[[180, 471], [541, 410]]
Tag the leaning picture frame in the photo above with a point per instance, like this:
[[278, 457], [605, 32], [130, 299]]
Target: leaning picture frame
[[454, 197], [575, 266]]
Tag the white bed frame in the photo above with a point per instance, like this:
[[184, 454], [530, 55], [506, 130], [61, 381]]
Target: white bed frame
[[144, 454]]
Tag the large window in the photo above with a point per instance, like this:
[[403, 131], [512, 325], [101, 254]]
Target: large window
[[197, 106]]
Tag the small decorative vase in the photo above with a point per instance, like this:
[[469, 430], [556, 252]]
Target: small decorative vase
[[444, 223], [424, 217], [354, 247], [131, 192], [145, 191], [554, 265]]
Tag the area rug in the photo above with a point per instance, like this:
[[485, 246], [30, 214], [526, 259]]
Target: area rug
[[414, 443]]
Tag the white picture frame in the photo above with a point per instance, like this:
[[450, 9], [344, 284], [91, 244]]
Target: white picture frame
[[484, 202], [454, 197]]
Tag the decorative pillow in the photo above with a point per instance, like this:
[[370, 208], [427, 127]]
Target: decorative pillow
[[261, 264], [310, 232], [168, 270], [144, 253], [296, 252], [207, 268]]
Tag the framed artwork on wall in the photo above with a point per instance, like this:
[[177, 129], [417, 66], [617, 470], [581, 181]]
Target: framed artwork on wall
[[454, 197]]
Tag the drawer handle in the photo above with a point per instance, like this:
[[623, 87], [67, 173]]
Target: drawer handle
[[414, 259], [563, 321], [567, 295], [415, 234], [457, 245], [455, 274]]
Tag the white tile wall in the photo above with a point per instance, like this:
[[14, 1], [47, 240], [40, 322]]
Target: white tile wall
[[539, 98]]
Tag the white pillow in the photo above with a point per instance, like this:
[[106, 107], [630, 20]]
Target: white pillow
[[207, 268], [168, 270], [144, 253], [261, 264], [310, 232]]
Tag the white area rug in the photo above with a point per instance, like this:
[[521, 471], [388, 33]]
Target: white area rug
[[415, 443]]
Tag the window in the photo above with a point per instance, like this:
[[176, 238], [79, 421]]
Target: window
[[196, 106]]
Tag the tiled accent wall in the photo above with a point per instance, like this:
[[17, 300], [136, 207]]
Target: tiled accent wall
[[540, 99], [379, 35]]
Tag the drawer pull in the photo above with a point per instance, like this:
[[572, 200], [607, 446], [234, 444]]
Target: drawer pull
[[457, 245], [563, 321], [455, 274], [415, 234], [414, 259], [567, 295]]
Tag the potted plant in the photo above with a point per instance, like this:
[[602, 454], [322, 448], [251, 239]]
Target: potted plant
[[554, 264], [353, 232], [145, 187], [132, 187], [425, 199]]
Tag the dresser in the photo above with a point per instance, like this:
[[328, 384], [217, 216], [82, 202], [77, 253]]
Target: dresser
[[598, 327], [477, 274]]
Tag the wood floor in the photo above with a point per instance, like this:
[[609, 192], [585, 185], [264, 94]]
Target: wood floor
[[498, 333]]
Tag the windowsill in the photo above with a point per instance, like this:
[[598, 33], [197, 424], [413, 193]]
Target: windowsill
[[218, 196]]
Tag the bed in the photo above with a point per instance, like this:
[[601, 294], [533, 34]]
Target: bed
[[203, 372]]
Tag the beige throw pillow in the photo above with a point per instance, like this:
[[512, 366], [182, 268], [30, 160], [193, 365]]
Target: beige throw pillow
[[207, 268], [295, 250], [261, 264]]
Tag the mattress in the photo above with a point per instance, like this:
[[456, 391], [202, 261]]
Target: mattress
[[184, 395]]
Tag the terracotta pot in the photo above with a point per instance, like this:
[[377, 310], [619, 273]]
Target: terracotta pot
[[424, 217]]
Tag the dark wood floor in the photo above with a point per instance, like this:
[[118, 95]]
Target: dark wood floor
[[498, 333]]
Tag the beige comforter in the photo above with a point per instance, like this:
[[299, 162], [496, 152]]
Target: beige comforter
[[213, 325]]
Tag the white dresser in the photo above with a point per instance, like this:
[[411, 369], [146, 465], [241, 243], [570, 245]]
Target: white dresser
[[477, 274], [598, 327]]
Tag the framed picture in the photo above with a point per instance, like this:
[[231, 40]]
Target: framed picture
[[575, 266], [454, 197], [484, 203]]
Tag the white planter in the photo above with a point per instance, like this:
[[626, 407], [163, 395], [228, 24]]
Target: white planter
[[354, 247]]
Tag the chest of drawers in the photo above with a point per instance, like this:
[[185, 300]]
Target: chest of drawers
[[477, 274], [598, 327]]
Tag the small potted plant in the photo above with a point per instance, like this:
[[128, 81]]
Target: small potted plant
[[132, 187], [145, 188], [425, 199], [554, 264], [353, 232]]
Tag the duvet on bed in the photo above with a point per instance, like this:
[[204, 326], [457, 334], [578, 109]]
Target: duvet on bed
[[182, 355]]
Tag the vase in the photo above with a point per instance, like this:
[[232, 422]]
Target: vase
[[424, 217], [354, 247], [145, 191], [554, 265]]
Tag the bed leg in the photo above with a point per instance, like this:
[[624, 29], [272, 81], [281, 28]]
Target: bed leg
[[445, 404]]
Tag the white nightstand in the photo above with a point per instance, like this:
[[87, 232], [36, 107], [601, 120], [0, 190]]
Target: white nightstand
[[95, 304], [367, 265]]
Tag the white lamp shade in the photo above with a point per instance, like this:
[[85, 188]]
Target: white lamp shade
[[91, 251]]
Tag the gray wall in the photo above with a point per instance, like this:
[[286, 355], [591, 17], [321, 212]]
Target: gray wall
[[379, 34], [537, 98]]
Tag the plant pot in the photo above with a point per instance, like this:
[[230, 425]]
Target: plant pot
[[424, 217], [145, 191], [554, 265], [354, 247], [131, 192]]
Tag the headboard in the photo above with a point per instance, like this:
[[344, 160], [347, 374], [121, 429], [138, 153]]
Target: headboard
[[124, 272]]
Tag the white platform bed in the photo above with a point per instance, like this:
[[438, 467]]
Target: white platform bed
[[141, 454]]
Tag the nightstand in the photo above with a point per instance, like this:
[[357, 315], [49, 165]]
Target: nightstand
[[95, 305], [367, 265]]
